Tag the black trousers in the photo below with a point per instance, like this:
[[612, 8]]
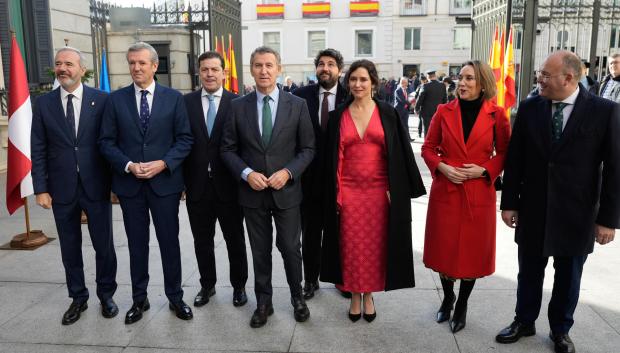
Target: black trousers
[[260, 233], [427, 123], [165, 213], [404, 119], [68, 224], [202, 217], [565, 294], [312, 233]]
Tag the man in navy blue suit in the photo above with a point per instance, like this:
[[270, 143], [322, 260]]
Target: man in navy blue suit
[[70, 175], [560, 193], [145, 136]]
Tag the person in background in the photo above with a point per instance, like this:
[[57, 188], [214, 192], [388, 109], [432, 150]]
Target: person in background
[[402, 103], [610, 86], [290, 85], [431, 95]]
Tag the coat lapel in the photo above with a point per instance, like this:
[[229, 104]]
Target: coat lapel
[[543, 124], [454, 124], [313, 107], [341, 94], [130, 97], [283, 113], [580, 111]]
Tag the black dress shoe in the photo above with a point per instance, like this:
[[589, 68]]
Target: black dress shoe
[[459, 319], [445, 309], [309, 288], [373, 316], [135, 313], [515, 331], [182, 310], [73, 313], [262, 312], [562, 343], [109, 308], [300, 309], [239, 297], [203, 296]]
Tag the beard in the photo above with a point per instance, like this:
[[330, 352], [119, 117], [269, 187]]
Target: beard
[[329, 82], [67, 82]]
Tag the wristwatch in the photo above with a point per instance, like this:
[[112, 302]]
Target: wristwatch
[[485, 174]]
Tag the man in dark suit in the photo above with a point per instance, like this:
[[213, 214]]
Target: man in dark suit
[[321, 99], [70, 175], [431, 95], [401, 95], [561, 182], [145, 135], [210, 187], [267, 144]]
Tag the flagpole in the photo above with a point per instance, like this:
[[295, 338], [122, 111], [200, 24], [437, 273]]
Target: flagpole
[[27, 215]]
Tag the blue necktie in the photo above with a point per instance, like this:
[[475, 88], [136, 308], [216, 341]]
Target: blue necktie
[[557, 121], [211, 113], [267, 123], [145, 114], [70, 114]]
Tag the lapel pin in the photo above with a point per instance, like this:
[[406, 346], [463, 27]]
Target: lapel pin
[[92, 103]]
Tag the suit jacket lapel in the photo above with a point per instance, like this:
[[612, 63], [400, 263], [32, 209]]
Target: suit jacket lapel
[[155, 107], [88, 103], [196, 102], [313, 107], [59, 114], [283, 113], [251, 114], [130, 96], [222, 110]]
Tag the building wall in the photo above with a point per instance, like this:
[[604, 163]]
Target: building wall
[[389, 55], [70, 19]]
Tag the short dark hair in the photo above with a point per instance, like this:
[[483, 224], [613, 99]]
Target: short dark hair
[[366, 64], [265, 50], [332, 53], [211, 55]]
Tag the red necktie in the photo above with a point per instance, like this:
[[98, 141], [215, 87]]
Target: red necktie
[[324, 111]]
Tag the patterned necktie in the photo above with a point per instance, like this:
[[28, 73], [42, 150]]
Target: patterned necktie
[[145, 114], [71, 114], [211, 113], [324, 111], [267, 123], [557, 121]]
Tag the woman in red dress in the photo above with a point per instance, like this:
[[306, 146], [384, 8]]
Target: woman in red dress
[[464, 150], [372, 177]]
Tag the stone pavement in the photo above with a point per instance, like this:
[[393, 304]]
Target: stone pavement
[[33, 298]]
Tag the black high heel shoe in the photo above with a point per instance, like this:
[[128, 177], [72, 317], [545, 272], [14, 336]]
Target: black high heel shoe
[[371, 317], [355, 317], [459, 319], [445, 309]]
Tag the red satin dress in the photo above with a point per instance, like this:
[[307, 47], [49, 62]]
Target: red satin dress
[[362, 179]]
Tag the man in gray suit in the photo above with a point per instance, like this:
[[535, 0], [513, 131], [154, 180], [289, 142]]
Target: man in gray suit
[[431, 95], [267, 144]]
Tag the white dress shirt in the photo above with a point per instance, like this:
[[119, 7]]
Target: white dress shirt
[[77, 103], [331, 99], [149, 96], [217, 98], [570, 101]]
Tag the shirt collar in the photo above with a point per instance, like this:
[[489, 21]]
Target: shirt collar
[[150, 88], [570, 99], [275, 94], [77, 93], [332, 90], [217, 93]]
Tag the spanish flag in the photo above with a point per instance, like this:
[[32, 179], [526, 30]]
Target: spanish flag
[[510, 94], [227, 66], [267, 11], [316, 9], [364, 8], [234, 83], [496, 61]]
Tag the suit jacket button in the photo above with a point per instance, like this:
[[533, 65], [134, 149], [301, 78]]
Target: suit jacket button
[[75, 148]]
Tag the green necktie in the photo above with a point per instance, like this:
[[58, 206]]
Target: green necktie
[[267, 124], [557, 121]]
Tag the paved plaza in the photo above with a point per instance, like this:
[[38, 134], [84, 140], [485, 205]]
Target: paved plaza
[[33, 297]]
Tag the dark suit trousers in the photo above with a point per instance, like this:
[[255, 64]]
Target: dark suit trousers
[[404, 119], [165, 213], [427, 123], [202, 217], [312, 231], [288, 242], [565, 294], [67, 217]]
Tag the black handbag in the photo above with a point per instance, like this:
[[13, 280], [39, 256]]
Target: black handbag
[[498, 181]]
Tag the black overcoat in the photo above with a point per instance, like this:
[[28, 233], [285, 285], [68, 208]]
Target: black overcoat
[[405, 183], [561, 189]]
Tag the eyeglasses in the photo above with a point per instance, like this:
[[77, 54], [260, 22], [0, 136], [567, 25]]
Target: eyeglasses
[[544, 76]]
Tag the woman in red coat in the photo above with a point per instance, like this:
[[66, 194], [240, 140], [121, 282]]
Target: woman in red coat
[[464, 150]]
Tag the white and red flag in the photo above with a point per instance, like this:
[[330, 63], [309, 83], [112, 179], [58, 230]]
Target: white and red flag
[[19, 165]]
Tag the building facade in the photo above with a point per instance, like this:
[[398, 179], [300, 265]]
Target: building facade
[[402, 37]]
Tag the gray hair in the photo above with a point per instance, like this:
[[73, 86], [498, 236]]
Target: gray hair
[[571, 62], [144, 46], [403, 78], [75, 50], [613, 56], [264, 50]]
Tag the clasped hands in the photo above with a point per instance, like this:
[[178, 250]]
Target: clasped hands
[[147, 170], [458, 175], [258, 181]]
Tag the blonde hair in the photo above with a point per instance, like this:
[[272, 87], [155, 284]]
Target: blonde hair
[[484, 78]]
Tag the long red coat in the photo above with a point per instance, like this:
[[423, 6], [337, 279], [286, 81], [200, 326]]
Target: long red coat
[[460, 222]]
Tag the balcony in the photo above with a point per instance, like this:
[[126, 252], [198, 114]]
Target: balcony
[[413, 7]]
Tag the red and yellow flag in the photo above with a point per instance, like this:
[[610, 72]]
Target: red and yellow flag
[[234, 83], [496, 61], [510, 94], [227, 66]]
